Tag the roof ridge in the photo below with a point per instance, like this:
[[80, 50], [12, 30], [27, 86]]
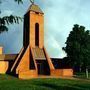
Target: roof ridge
[[35, 8]]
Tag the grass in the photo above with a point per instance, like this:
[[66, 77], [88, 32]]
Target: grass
[[82, 75], [11, 83]]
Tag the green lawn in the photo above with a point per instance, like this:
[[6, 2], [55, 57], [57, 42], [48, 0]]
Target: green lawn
[[82, 75], [11, 83]]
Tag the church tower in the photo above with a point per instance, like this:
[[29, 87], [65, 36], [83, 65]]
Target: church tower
[[34, 27], [33, 59]]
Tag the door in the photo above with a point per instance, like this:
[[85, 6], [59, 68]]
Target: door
[[43, 67], [40, 68]]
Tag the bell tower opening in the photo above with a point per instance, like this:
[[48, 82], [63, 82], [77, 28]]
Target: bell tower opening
[[37, 34]]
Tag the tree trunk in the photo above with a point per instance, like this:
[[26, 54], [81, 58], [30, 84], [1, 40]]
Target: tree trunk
[[80, 69], [87, 73]]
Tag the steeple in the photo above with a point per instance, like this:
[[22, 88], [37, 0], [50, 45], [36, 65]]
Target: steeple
[[34, 27], [35, 8]]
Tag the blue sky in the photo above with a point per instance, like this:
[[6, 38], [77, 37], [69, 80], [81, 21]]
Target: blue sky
[[60, 16]]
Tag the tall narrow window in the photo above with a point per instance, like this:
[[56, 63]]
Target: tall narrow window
[[37, 34]]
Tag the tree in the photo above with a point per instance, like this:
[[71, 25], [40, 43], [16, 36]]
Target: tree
[[6, 20], [19, 1], [78, 47]]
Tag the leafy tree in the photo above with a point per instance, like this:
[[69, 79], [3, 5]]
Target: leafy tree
[[78, 47], [19, 1], [6, 20]]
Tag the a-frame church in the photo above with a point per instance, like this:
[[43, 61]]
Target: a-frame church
[[33, 60]]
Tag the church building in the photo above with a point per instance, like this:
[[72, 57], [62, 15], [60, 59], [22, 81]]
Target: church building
[[33, 60]]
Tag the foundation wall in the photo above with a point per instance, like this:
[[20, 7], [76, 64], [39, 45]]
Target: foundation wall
[[67, 72], [62, 72], [3, 67], [28, 74], [56, 72]]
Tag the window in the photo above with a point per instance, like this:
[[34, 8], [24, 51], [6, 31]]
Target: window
[[37, 34]]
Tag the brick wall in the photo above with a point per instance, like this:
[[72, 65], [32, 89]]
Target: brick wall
[[36, 18], [3, 67], [1, 50]]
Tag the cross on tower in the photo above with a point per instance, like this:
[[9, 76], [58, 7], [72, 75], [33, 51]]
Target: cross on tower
[[32, 1]]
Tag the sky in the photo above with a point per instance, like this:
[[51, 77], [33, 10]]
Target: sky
[[59, 18]]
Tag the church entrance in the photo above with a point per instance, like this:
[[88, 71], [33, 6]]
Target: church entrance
[[40, 68], [36, 34], [43, 68]]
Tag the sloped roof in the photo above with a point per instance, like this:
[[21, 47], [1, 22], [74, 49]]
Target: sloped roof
[[4, 57], [34, 8], [39, 53]]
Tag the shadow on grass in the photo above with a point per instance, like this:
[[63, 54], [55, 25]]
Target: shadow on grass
[[11, 83], [60, 87]]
